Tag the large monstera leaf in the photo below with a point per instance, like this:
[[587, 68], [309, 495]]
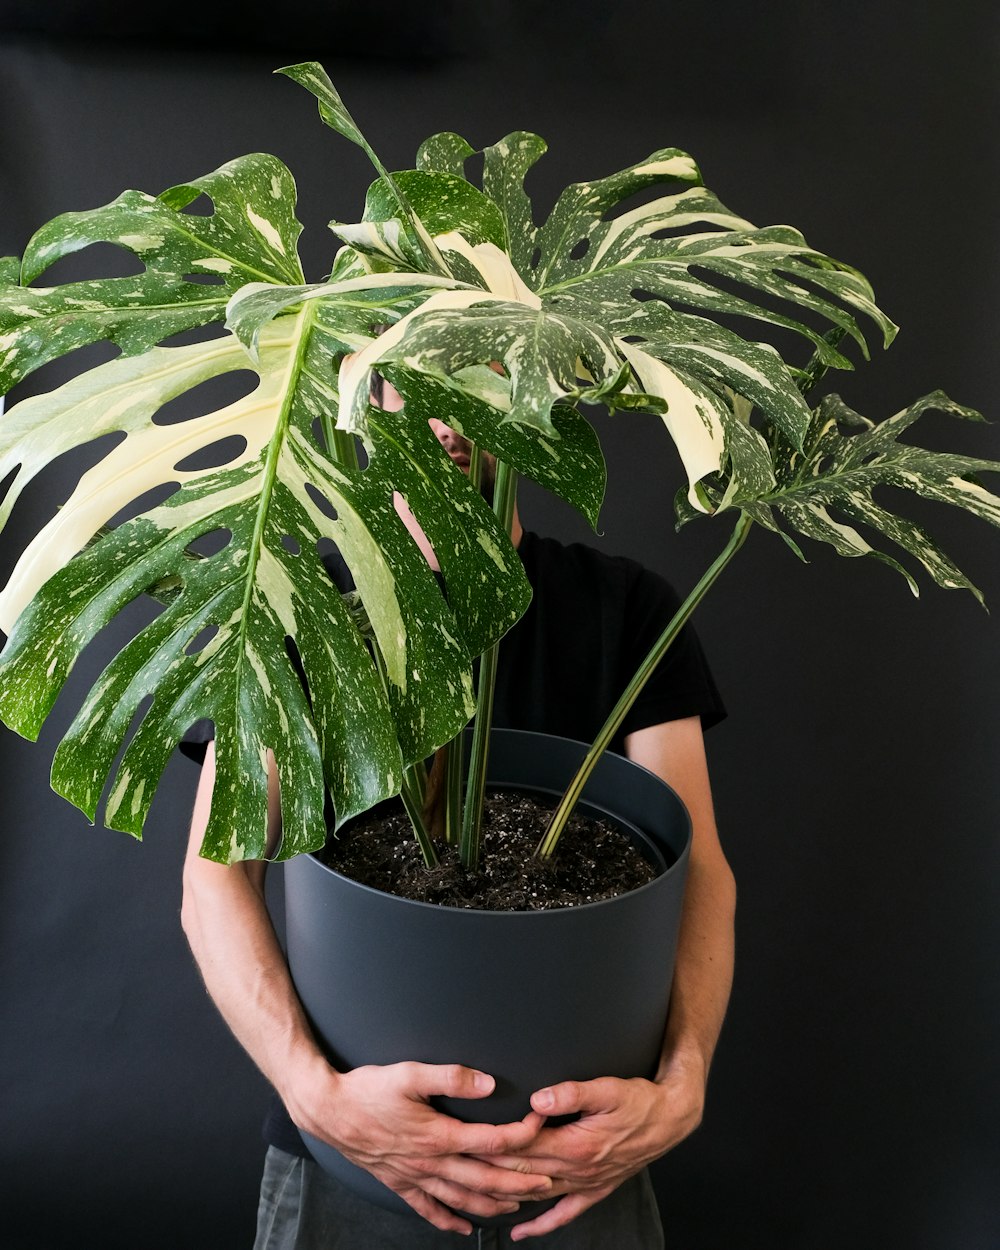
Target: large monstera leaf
[[601, 304], [827, 490], [341, 732]]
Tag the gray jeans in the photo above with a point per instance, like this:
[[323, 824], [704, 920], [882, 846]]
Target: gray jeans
[[302, 1208]]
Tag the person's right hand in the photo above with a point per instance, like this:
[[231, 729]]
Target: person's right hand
[[380, 1118]]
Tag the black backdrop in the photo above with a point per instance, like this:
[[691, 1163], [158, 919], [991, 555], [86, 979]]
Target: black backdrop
[[854, 1099]]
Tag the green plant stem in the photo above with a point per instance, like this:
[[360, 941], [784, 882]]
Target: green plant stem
[[546, 848], [414, 783], [504, 496], [340, 445], [475, 465], [412, 794], [453, 792]]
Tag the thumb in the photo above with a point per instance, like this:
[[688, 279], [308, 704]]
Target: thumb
[[573, 1096]]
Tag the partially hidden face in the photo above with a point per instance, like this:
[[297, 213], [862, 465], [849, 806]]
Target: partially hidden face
[[385, 396]]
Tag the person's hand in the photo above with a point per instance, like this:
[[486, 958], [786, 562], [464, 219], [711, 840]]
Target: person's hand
[[380, 1119], [623, 1126]]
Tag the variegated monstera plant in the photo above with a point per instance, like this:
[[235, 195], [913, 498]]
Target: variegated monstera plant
[[631, 309]]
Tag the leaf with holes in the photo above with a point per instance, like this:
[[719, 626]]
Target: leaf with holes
[[249, 237], [340, 731], [624, 305]]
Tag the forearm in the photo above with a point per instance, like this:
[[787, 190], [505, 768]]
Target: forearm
[[703, 970], [234, 945], [226, 921], [703, 973]]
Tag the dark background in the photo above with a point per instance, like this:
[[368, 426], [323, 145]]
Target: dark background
[[854, 1100]]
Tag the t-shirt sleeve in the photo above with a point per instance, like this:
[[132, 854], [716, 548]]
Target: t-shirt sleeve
[[682, 684]]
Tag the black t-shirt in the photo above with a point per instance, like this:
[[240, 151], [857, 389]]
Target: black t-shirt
[[562, 668], [592, 620]]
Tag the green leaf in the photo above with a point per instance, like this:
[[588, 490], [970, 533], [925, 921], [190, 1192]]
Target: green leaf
[[548, 357], [725, 361], [444, 202], [249, 237], [266, 585], [444, 153], [505, 166], [826, 491], [351, 306]]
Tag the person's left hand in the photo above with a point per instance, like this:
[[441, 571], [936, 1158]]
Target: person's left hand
[[623, 1126]]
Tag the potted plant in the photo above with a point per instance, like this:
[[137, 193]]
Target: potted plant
[[630, 308]]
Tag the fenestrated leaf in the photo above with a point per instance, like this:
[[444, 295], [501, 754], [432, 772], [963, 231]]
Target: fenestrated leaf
[[267, 584], [505, 166], [633, 273], [655, 248], [249, 237], [846, 457]]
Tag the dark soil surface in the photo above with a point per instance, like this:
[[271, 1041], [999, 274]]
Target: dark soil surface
[[594, 861]]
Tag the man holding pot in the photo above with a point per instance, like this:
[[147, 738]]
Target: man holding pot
[[380, 1118]]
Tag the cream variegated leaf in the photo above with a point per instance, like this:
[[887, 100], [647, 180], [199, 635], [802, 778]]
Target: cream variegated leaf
[[340, 732], [656, 278], [193, 265], [825, 493]]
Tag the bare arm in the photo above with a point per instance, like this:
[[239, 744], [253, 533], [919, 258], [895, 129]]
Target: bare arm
[[379, 1117], [624, 1125], [703, 975]]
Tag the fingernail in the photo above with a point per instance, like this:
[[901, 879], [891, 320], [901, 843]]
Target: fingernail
[[543, 1099], [483, 1083]]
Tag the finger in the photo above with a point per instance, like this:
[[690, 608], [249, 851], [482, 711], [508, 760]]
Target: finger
[[551, 1153], [468, 1200], [578, 1096], [450, 1080], [536, 1165], [523, 1163], [434, 1213], [563, 1213], [482, 1177], [457, 1137]]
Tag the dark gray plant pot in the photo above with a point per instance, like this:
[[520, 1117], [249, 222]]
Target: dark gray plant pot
[[533, 998]]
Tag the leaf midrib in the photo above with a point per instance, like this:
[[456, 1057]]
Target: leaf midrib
[[269, 474]]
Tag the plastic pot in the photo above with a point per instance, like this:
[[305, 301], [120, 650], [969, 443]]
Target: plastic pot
[[533, 998]]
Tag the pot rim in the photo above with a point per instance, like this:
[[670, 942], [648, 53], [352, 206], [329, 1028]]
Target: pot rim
[[658, 857]]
